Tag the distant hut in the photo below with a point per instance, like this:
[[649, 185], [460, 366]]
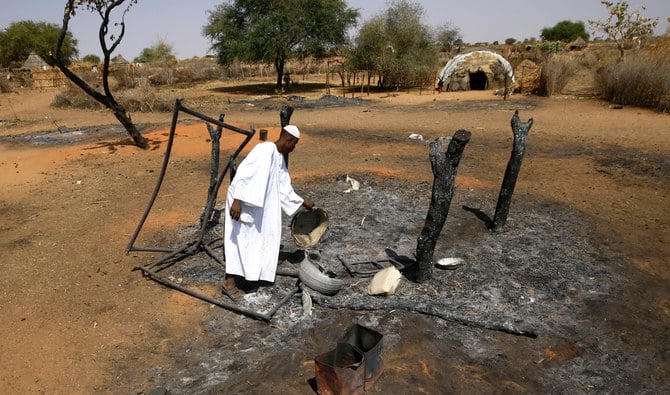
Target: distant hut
[[577, 45], [120, 60], [476, 70], [35, 62], [528, 74]]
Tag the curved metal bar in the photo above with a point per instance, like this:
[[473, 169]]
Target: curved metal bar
[[250, 313], [161, 176]]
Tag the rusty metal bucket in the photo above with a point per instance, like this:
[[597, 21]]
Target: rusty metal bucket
[[340, 371], [369, 342]]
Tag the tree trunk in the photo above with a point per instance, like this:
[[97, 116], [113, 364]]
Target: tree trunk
[[279, 67], [520, 130], [123, 117], [444, 167]]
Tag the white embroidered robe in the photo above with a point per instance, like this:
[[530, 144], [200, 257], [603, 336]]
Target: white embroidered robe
[[263, 184]]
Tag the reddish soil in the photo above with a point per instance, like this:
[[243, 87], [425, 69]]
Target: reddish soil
[[78, 319]]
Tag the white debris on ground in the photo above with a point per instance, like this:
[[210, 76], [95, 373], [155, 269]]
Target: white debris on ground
[[355, 185]]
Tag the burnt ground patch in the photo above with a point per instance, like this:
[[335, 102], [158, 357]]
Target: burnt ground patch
[[547, 273]]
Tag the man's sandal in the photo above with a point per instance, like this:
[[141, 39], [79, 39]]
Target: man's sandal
[[233, 293]]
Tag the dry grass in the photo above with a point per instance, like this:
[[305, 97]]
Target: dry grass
[[556, 72], [641, 79], [4, 86]]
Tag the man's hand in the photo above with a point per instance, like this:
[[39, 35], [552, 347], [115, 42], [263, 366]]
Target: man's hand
[[308, 204], [236, 209]]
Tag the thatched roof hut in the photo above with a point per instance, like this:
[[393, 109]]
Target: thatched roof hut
[[35, 62], [577, 45]]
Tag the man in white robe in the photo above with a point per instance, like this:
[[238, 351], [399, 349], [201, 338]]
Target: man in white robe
[[259, 192]]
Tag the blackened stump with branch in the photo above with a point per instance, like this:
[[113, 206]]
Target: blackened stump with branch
[[444, 165], [520, 130]]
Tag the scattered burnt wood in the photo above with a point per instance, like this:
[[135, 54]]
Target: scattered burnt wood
[[444, 165], [520, 130]]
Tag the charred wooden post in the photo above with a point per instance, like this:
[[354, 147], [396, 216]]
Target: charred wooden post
[[444, 167], [215, 135], [284, 119], [520, 130]]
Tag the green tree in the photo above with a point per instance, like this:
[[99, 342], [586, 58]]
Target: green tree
[[21, 38], [159, 52], [276, 31], [624, 26], [510, 41], [565, 31], [446, 35], [110, 35], [397, 46], [91, 58]]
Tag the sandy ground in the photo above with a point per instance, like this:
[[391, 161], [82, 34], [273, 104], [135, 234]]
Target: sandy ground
[[78, 319]]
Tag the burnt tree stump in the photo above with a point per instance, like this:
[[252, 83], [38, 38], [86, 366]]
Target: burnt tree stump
[[520, 130], [444, 166]]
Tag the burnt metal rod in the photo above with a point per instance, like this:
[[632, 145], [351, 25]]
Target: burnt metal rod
[[168, 283], [161, 176], [174, 253], [214, 121], [250, 313], [213, 255], [152, 249], [282, 302]]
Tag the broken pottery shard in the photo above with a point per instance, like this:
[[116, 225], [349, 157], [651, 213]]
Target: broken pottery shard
[[385, 282]]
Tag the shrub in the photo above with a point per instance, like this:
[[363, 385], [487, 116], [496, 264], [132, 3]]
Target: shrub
[[642, 80], [73, 96], [144, 98], [556, 73], [5, 87]]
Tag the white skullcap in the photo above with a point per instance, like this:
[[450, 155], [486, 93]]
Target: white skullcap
[[292, 130]]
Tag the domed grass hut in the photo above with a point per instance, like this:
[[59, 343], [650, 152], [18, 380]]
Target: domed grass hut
[[476, 70]]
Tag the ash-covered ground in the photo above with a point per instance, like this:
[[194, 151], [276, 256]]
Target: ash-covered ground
[[544, 275]]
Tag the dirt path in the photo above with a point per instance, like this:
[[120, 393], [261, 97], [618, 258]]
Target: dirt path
[[79, 320]]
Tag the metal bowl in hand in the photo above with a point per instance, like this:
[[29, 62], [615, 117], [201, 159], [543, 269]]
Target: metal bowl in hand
[[308, 227]]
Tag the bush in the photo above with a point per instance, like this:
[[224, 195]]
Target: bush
[[640, 80], [5, 87], [144, 98], [556, 73], [74, 97]]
